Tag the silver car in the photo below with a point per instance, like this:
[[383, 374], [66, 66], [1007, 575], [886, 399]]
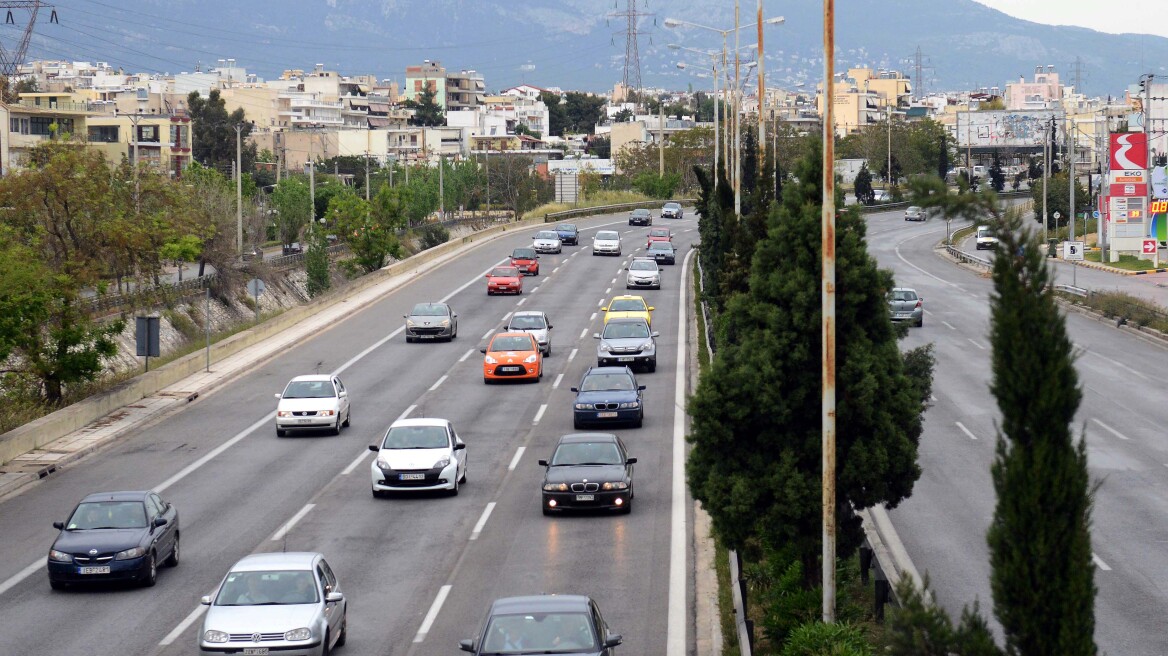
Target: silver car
[[431, 321], [547, 241], [905, 305], [535, 322], [606, 242], [914, 213], [627, 342], [276, 603], [643, 272], [313, 402], [419, 454]]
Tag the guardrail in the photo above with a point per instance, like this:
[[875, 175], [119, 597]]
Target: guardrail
[[968, 258], [552, 217], [1072, 290]]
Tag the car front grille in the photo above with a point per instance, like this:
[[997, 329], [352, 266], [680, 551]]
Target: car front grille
[[605, 406], [624, 351], [510, 370], [88, 560], [304, 413], [393, 477], [585, 487], [426, 330], [251, 637]]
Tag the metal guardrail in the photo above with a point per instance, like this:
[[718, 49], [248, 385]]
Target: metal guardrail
[[968, 258], [1072, 290], [553, 217]]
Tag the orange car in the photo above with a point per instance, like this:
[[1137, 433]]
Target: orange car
[[512, 356], [504, 280], [526, 260]]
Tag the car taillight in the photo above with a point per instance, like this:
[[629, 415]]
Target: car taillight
[[918, 303]]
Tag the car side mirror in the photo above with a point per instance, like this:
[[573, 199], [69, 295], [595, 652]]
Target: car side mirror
[[483, 350], [374, 448], [640, 387], [205, 600], [543, 463], [466, 645], [595, 335], [613, 640], [537, 257], [160, 521], [573, 389], [279, 395], [405, 316], [334, 597], [343, 395], [651, 308], [454, 316], [550, 326], [60, 526], [604, 309], [654, 334], [630, 461], [459, 446]]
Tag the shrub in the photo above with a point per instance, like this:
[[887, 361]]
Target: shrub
[[434, 234], [819, 639]]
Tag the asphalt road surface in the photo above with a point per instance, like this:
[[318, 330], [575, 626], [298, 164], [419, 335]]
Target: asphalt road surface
[[418, 570]]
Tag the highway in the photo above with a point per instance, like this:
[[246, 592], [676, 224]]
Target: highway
[[418, 570], [1122, 415]]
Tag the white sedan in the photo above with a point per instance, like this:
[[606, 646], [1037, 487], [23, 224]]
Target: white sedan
[[419, 454], [547, 241], [313, 402], [606, 242]]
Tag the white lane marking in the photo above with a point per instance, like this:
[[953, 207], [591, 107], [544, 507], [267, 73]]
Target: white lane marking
[[478, 527], [40, 564], [1099, 562], [506, 317], [933, 397], [186, 471], [949, 325], [600, 302], [558, 268], [432, 613], [405, 413], [539, 413], [438, 382], [618, 271], [613, 281], [976, 344], [1134, 372], [608, 290], [573, 353], [902, 259], [965, 430], [488, 333], [678, 533], [356, 463], [466, 355], [556, 384], [592, 318], [515, 460], [473, 281], [583, 333], [183, 626], [1109, 429], [639, 248], [930, 313], [521, 302], [279, 535], [535, 289]]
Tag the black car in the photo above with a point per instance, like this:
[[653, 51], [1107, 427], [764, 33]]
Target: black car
[[115, 536], [608, 395], [543, 624], [662, 251], [640, 217], [431, 321], [588, 471], [568, 234], [293, 249]]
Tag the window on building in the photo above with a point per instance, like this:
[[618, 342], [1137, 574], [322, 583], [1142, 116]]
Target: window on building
[[148, 133], [41, 126], [103, 133], [417, 85]]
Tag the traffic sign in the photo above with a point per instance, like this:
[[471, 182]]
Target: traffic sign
[[1149, 247], [1057, 216], [1072, 250], [255, 287], [1095, 214]]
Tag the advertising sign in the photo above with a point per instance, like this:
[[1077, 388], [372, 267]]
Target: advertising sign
[[1119, 176], [1158, 215], [1129, 189], [1003, 128], [1129, 151]]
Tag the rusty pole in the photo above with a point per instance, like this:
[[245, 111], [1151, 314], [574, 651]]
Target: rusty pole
[[828, 310], [761, 94]]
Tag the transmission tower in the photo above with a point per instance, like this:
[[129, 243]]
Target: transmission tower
[[10, 60], [632, 72], [1077, 68], [919, 66]]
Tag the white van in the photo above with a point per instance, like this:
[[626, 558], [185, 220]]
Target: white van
[[985, 238]]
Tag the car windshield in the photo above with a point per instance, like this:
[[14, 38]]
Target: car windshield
[[539, 633], [904, 295], [659, 232], [416, 437], [660, 246], [276, 588], [527, 322], [640, 212], [607, 235], [309, 389], [672, 206], [107, 514], [523, 254], [587, 453], [914, 208], [642, 265], [547, 234], [627, 305], [505, 272], [511, 343], [566, 227], [428, 310], [625, 330], [606, 382]]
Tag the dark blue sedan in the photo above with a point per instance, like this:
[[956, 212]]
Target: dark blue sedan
[[608, 395], [115, 536], [568, 234]]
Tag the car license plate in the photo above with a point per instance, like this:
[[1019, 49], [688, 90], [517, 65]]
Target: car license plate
[[625, 359], [427, 336], [511, 369], [586, 497], [257, 651], [304, 421], [605, 415], [411, 477], [104, 569]]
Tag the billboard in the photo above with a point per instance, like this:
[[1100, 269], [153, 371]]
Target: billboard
[[1007, 129], [1129, 151]]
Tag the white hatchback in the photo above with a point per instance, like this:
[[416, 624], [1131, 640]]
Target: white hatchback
[[313, 402], [606, 242], [419, 454]]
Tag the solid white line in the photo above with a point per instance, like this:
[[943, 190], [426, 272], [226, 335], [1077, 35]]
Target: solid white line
[[521, 302], [279, 535], [572, 355], [437, 383], [556, 384], [41, 564], [678, 533], [949, 325], [1126, 368], [515, 460], [902, 259], [976, 344], [466, 355], [592, 318], [1099, 562], [583, 333], [1111, 430], [405, 413], [965, 430], [539, 414], [478, 527], [183, 625], [186, 471], [353, 465], [433, 613], [376, 345]]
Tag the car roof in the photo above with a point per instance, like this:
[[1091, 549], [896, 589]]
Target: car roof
[[312, 378], [608, 370], [125, 495], [663, 244], [672, 203], [505, 266], [567, 225], [430, 304], [539, 603], [262, 562], [587, 437], [523, 250], [420, 421], [640, 209], [529, 313], [625, 297], [904, 289]]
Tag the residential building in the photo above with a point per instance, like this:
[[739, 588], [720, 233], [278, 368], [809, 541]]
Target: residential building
[[1043, 92], [529, 91], [452, 91], [431, 75], [39, 118], [864, 98], [464, 90], [162, 142]]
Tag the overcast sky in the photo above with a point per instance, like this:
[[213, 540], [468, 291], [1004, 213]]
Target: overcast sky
[[1136, 16]]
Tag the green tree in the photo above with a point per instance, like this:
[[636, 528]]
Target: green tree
[[601, 147], [997, 174], [213, 133], [557, 112], [316, 262], [943, 157], [370, 235], [1043, 578], [1058, 198], [292, 203], [583, 112], [186, 248], [921, 628], [427, 111], [655, 186], [623, 116], [863, 186]]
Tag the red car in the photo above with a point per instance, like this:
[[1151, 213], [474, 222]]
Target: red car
[[504, 280], [658, 234], [526, 261]]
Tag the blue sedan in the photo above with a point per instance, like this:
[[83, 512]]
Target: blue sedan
[[608, 395], [568, 234]]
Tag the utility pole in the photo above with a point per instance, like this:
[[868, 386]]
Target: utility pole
[[737, 122], [1072, 176], [441, 191], [890, 146], [488, 160], [661, 140], [134, 118], [761, 95], [827, 287], [1046, 180], [311, 166], [366, 176], [239, 187]]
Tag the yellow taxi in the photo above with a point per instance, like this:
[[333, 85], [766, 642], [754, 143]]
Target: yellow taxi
[[628, 307]]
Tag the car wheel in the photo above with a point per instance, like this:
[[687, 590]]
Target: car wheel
[[921, 322], [280, 432], [577, 424], [325, 649], [462, 479], [454, 490], [344, 630], [546, 512], [487, 381], [410, 340], [639, 422], [548, 352], [652, 366], [58, 585], [337, 427], [348, 418], [377, 494], [150, 577], [172, 560]]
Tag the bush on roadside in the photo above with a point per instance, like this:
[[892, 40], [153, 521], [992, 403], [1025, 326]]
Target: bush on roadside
[[819, 639], [434, 234], [1133, 309]]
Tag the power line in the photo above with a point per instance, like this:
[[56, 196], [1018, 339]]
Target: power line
[[10, 60]]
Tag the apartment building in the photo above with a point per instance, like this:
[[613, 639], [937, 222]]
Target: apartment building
[[162, 142], [1043, 92], [453, 91], [863, 98]]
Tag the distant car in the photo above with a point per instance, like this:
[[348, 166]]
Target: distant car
[[504, 280], [536, 323], [662, 252], [641, 217], [905, 305], [293, 249], [658, 234], [428, 321], [512, 356], [543, 624], [115, 536], [276, 603], [568, 233], [526, 260], [671, 211], [313, 402], [608, 395], [914, 213], [986, 238], [643, 272], [547, 241], [588, 471], [419, 454], [626, 342], [606, 242], [881, 196], [628, 306]]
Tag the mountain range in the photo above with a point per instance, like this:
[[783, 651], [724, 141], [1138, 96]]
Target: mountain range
[[581, 44]]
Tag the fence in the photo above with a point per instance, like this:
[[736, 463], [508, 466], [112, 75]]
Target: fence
[[553, 217]]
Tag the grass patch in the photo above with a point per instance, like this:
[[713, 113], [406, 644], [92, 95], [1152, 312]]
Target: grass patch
[[1125, 262], [1132, 309], [595, 200]]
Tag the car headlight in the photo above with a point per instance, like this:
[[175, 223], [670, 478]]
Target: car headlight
[[531, 358], [489, 360], [605, 348], [442, 464], [630, 404], [555, 487], [283, 413], [621, 485], [444, 322], [136, 552], [581, 406], [648, 346], [215, 636], [60, 556], [297, 634], [410, 323], [383, 464], [326, 413]]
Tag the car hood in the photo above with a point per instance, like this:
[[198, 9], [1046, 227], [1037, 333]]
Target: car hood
[[426, 319], [584, 473], [542, 242], [261, 619], [607, 396], [510, 357], [413, 458], [299, 405], [626, 342], [104, 540], [515, 261], [566, 233], [639, 273], [499, 279], [540, 334], [606, 242]]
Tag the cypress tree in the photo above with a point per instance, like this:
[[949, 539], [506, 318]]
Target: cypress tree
[[1040, 544]]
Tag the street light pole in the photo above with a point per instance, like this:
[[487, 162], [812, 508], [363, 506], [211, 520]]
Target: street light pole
[[761, 95], [827, 287], [238, 188], [737, 122]]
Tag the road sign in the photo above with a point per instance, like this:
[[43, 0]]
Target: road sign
[[1149, 247], [1072, 250], [1057, 216], [1095, 214], [255, 287]]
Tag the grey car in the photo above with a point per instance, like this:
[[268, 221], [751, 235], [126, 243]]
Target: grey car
[[643, 272], [662, 252], [627, 342], [276, 603], [535, 322], [905, 305], [671, 211], [431, 321], [641, 217], [914, 213]]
